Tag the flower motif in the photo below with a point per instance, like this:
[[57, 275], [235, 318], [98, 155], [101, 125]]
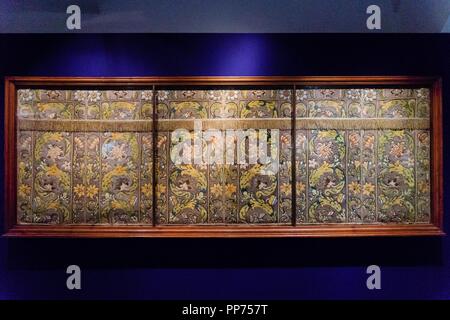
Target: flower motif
[[398, 149], [215, 95], [53, 170], [354, 187], [286, 189], [233, 95], [120, 170], [229, 189], [312, 163], [147, 95], [118, 152], [147, 190], [369, 95], [54, 152], [300, 186], [284, 94], [66, 165], [26, 95], [94, 96], [79, 190], [91, 191], [87, 95], [81, 95], [353, 94], [301, 95], [160, 189], [162, 95], [24, 190], [324, 150], [368, 189]]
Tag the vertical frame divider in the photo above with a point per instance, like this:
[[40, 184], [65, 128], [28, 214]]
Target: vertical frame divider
[[293, 155], [154, 154]]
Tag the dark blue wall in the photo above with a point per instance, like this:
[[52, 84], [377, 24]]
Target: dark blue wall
[[227, 268]]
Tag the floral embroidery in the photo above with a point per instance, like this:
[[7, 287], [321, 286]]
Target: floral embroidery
[[79, 190], [286, 188], [147, 95], [348, 175], [26, 95], [285, 95], [354, 187], [369, 95], [147, 190], [353, 94], [302, 95], [368, 189]]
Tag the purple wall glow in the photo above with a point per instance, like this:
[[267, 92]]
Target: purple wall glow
[[412, 268]]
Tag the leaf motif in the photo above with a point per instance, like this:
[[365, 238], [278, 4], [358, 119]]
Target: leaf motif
[[316, 174]]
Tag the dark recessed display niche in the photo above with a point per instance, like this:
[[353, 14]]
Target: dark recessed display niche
[[223, 156]]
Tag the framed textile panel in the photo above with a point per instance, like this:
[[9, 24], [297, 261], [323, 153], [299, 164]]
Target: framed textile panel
[[223, 157]]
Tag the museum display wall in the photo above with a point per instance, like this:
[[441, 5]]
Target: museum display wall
[[269, 268]]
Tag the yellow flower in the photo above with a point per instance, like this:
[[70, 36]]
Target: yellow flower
[[368, 188], [285, 189], [229, 189], [216, 190], [91, 191], [24, 190], [147, 190], [160, 189], [300, 187], [53, 170], [79, 190], [120, 170], [354, 187]]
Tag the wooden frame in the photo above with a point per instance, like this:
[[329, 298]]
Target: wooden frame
[[435, 227]]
